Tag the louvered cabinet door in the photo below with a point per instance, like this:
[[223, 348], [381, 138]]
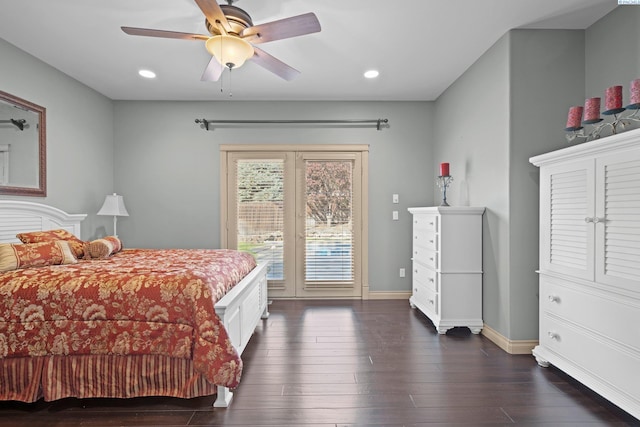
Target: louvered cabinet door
[[617, 220], [567, 209]]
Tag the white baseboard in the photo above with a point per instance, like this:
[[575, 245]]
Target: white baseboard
[[510, 346]]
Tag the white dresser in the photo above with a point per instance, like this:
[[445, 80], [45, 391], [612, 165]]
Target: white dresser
[[447, 266], [590, 265]]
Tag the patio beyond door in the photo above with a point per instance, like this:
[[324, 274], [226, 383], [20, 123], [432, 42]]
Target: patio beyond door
[[301, 211]]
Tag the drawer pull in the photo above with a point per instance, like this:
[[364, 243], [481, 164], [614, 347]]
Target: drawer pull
[[431, 279], [553, 335], [431, 301], [430, 259], [554, 298]]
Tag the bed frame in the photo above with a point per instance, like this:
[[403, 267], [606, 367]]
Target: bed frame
[[240, 309]]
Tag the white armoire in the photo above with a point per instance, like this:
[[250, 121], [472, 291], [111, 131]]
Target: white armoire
[[590, 265], [447, 266]]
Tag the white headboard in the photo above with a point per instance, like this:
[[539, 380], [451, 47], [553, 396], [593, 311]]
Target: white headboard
[[17, 216]]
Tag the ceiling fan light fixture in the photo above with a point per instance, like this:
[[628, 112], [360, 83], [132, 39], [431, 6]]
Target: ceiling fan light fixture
[[230, 51]]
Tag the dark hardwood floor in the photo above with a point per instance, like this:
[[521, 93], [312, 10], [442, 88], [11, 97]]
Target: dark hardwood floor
[[357, 363]]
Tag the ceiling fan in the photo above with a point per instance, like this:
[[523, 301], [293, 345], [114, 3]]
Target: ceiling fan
[[232, 38]]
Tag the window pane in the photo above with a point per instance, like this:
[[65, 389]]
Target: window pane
[[329, 222], [260, 195]]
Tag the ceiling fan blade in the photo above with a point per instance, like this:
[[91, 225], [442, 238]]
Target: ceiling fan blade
[[273, 64], [214, 14], [162, 33], [282, 29], [213, 71]]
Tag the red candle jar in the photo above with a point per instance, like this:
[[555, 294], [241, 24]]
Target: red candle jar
[[613, 100], [444, 169], [592, 110], [574, 119], [635, 92]]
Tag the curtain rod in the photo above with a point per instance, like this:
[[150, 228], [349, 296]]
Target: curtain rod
[[18, 123], [378, 123]]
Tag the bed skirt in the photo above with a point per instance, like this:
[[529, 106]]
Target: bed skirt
[[58, 377]]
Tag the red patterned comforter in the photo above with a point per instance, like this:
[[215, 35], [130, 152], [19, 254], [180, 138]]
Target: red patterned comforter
[[139, 301]]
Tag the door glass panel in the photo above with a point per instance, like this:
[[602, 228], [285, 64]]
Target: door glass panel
[[260, 210], [329, 223]]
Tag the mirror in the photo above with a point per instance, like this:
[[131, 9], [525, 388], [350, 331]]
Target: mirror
[[23, 158]]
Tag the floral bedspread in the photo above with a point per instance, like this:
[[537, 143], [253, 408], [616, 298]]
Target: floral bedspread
[[139, 301]]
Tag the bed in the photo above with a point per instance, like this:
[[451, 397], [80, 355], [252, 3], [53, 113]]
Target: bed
[[138, 322]]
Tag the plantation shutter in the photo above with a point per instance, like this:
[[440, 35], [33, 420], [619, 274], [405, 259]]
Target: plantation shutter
[[567, 237], [621, 229]]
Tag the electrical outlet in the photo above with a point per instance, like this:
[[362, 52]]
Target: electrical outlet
[[402, 272], [396, 198], [395, 215]]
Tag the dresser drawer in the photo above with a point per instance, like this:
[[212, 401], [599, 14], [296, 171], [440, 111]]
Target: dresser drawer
[[419, 293], [426, 223], [596, 357], [426, 276], [427, 300], [614, 317], [425, 257], [433, 304], [426, 239]]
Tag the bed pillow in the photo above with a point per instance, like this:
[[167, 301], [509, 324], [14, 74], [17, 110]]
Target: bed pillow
[[77, 245], [105, 247], [16, 255]]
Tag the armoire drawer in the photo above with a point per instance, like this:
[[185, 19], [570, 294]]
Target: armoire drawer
[[601, 359], [426, 276], [614, 317]]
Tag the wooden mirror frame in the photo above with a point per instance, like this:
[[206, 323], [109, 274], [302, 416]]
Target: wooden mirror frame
[[41, 189]]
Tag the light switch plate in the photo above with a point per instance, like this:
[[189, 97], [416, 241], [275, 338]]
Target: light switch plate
[[396, 198]]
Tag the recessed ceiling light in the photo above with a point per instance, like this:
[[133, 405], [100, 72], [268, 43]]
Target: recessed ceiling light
[[147, 74], [371, 74]]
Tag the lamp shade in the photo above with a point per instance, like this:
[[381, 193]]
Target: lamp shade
[[230, 51], [113, 205]]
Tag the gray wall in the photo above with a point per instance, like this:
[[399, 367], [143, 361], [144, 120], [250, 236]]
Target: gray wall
[[508, 106], [546, 73], [472, 134], [167, 168], [79, 135]]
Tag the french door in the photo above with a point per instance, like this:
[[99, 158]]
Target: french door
[[301, 209]]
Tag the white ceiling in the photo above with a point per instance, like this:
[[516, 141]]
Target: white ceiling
[[419, 46]]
